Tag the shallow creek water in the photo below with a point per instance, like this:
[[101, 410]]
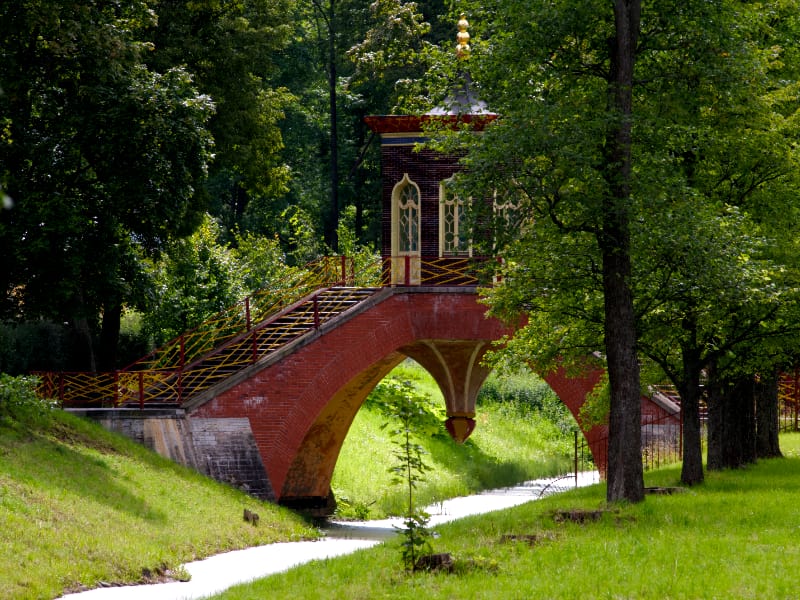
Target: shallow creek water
[[217, 573]]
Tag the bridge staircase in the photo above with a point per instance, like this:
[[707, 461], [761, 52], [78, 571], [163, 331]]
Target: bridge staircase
[[229, 342]]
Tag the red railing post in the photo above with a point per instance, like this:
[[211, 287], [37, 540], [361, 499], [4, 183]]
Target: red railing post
[[407, 270], [116, 389], [316, 312], [180, 368], [344, 269], [141, 390], [248, 322], [255, 345], [61, 388]]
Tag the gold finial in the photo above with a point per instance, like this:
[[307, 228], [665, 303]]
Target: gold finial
[[462, 37]]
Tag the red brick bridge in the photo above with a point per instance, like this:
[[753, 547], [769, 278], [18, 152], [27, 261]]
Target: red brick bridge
[[268, 407]]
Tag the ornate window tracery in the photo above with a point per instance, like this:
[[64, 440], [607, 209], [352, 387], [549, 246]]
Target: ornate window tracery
[[454, 237]]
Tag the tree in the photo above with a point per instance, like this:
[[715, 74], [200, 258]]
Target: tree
[[101, 157], [689, 109], [723, 287], [561, 76], [231, 48], [711, 302], [195, 278]]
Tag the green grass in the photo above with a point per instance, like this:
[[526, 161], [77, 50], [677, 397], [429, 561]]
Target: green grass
[[79, 505], [511, 443], [735, 536]]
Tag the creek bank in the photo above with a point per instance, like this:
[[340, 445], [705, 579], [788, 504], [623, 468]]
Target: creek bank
[[217, 573]]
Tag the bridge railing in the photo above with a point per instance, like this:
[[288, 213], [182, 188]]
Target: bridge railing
[[239, 318], [445, 271], [158, 375], [164, 375]]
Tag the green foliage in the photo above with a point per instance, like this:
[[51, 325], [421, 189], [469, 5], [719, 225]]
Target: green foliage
[[39, 345], [196, 278], [261, 261], [399, 398], [20, 403], [528, 395], [596, 408], [511, 443], [101, 155]]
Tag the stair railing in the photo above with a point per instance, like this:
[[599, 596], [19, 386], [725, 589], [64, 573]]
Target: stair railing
[[163, 368]]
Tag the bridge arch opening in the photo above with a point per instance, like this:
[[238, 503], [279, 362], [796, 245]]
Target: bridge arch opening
[[308, 483], [514, 441]]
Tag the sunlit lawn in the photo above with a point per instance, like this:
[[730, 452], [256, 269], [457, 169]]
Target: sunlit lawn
[[735, 536]]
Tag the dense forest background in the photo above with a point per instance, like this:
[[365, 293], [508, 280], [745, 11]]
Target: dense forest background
[[160, 160]]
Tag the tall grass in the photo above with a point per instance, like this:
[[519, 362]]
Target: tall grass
[[735, 536], [79, 506], [515, 439]]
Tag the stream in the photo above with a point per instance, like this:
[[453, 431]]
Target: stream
[[217, 573]]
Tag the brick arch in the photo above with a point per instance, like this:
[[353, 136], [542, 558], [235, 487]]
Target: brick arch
[[300, 408]]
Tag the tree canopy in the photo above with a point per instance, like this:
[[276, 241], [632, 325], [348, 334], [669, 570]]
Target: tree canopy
[[678, 177]]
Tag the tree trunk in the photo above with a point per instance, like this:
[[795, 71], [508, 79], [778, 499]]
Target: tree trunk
[[332, 222], [731, 423], [84, 334], [109, 336], [692, 468], [767, 417], [625, 473]]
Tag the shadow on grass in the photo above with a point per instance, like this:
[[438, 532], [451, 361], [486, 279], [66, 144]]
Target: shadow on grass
[[54, 466]]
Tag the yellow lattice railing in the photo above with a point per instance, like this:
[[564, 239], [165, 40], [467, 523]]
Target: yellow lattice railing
[[448, 271]]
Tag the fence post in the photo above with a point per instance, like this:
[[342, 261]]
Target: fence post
[[316, 311], [180, 368], [576, 457], [141, 390], [116, 389], [343, 266], [61, 387], [248, 322], [407, 269]]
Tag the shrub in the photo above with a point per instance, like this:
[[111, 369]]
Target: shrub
[[19, 401]]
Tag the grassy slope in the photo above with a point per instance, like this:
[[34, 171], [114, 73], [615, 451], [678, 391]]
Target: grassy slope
[[79, 505], [509, 445], [735, 536]]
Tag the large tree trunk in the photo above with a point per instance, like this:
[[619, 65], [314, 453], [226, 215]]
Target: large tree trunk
[[731, 423], [767, 417], [692, 469], [332, 222], [625, 474]]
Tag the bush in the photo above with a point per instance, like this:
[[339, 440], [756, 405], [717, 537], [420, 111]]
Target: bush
[[19, 402]]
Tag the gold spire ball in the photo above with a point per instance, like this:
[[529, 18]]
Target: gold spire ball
[[462, 38]]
